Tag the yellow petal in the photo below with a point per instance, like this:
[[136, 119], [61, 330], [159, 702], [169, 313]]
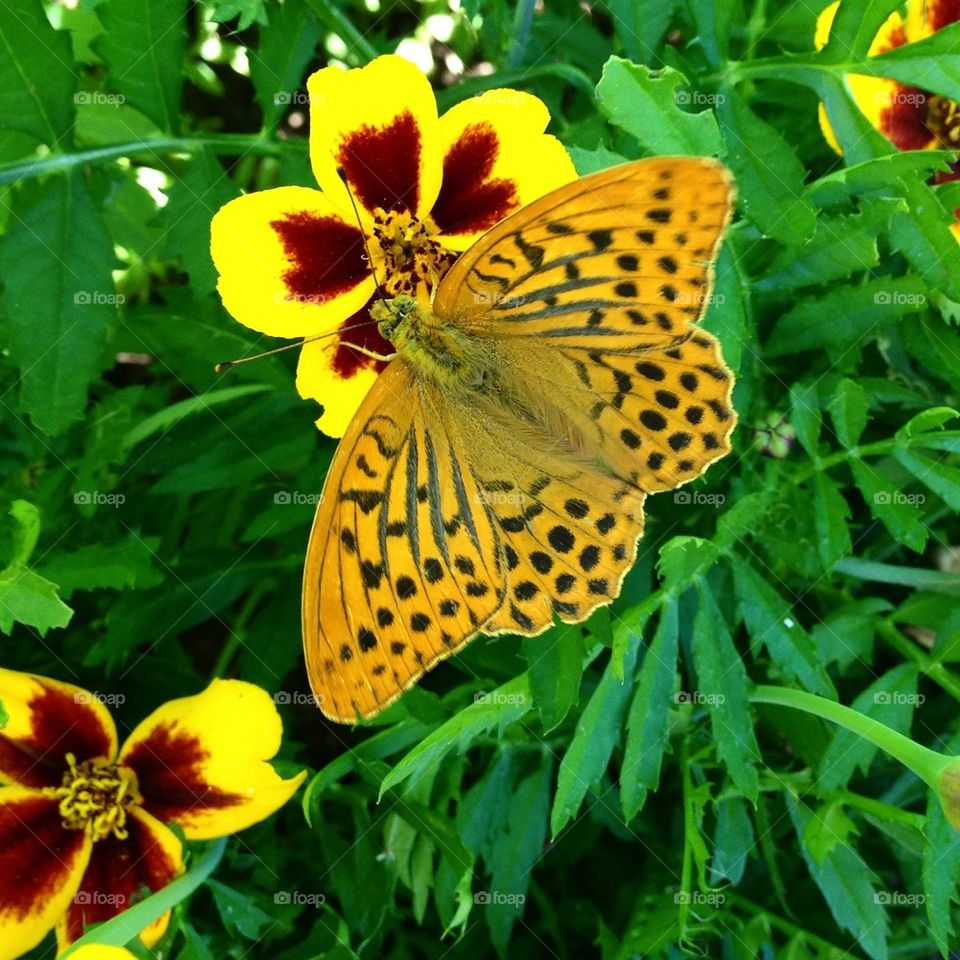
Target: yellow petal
[[97, 951], [824, 23], [379, 124], [41, 868], [119, 873], [289, 264], [341, 397], [496, 159], [47, 720], [201, 761]]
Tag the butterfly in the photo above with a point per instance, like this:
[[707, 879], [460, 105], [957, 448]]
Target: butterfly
[[494, 478]]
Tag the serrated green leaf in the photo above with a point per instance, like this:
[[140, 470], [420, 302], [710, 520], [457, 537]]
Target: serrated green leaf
[[829, 827], [931, 63], [27, 598], [555, 664], [941, 868], [733, 841], [771, 622], [805, 416], [647, 720], [598, 731], [57, 235], [37, 81], [648, 105], [642, 25], [769, 176], [937, 476], [117, 566], [848, 409], [926, 422], [831, 513], [143, 44], [898, 513], [865, 308], [722, 687], [685, 559]]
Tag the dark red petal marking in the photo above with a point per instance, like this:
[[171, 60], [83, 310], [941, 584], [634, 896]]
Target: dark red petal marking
[[347, 362], [169, 769], [61, 725], [326, 254], [896, 38], [382, 164], [36, 854], [120, 874], [468, 201], [903, 123], [941, 13]]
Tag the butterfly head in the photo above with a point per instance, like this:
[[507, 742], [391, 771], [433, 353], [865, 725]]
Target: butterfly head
[[395, 316]]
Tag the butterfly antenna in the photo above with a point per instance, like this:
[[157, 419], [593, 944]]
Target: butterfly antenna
[[353, 203]]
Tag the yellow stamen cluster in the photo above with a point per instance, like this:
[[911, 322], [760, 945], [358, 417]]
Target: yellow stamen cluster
[[943, 120], [94, 797], [407, 260]]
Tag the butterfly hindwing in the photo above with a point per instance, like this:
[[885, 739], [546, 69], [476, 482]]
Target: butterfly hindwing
[[404, 563]]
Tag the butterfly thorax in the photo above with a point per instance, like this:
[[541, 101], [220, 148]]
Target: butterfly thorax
[[434, 347]]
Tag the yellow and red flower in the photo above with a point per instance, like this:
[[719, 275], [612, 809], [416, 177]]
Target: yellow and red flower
[[910, 118], [83, 822], [293, 261]]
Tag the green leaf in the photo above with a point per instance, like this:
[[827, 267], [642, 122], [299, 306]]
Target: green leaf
[[866, 308], [118, 566], [926, 422], [505, 705], [878, 174], [123, 928], [938, 477], [845, 880], [855, 27], [37, 81], [57, 235], [555, 665], [648, 720], [805, 416], [186, 218], [941, 868], [239, 912], [733, 841], [769, 176], [248, 12], [685, 559], [598, 731], [890, 699], [590, 161], [27, 598], [931, 64], [143, 44], [278, 66], [515, 852], [722, 686], [830, 513], [641, 25], [848, 409], [829, 827], [771, 621], [647, 104], [899, 513], [26, 531]]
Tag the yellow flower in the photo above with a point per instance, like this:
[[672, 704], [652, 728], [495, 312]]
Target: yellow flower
[[292, 260], [83, 822]]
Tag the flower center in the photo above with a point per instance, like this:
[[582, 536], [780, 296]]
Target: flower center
[[94, 797], [407, 258], [943, 120]]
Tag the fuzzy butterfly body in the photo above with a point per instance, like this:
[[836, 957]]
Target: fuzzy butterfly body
[[494, 477]]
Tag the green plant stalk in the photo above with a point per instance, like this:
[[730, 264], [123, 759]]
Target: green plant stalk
[[927, 764]]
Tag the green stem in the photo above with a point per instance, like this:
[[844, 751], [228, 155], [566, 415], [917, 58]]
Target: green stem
[[339, 23], [925, 763], [928, 666], [239, 630], [233, 144], [877, 808], [689, 825]]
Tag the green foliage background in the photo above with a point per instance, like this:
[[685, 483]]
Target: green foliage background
[[145, 548]]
